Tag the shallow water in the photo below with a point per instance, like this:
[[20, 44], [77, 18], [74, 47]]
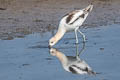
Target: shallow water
[[28, 58]]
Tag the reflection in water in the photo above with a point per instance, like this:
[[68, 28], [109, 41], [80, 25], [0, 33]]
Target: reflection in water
[[73, 63]]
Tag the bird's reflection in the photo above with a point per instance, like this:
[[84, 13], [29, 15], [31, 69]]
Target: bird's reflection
[[73, 63]]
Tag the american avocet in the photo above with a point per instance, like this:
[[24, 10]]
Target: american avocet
[[71, 21], [71, 63]]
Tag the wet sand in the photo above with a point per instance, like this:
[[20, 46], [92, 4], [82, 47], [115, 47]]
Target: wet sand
[[21, 17]]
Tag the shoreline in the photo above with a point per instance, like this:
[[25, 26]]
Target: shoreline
[[27, 16]]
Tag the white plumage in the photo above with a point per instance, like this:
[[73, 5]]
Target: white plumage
[[72, 63], [71, 21]]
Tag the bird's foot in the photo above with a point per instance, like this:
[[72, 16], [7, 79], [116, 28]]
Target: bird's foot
[[84, 41], [76, 42]]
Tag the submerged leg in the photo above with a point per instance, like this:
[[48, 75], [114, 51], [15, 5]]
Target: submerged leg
[[76, 35], [77, 51], [82, 36]]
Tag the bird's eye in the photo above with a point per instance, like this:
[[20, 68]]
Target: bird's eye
[[52, 51], [51, 42]]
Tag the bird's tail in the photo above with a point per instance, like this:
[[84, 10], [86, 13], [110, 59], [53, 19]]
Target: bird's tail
[[91, 72], [89, 8]]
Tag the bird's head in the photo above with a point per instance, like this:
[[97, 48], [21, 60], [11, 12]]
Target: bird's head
[[52, 41], [53, 51]]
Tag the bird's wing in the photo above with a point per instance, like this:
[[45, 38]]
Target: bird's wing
[[74, 16], [80, 68]]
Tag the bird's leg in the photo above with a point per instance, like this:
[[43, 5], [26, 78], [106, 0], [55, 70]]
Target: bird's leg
[[82, 36], [76, 35], [77, 52], [82, 49]]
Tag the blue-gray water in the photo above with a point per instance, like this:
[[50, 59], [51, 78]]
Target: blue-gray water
[[28, 58]]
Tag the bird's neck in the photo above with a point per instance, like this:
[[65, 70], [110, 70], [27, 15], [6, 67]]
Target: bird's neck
[[63, 59], [60, 33]]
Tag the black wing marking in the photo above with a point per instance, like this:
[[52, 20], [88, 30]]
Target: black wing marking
[[83, 69], [72, 70], [70, 16], [81, 16]]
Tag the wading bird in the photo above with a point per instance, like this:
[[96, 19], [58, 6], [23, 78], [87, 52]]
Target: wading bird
[[71, 22], [73, 63]]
